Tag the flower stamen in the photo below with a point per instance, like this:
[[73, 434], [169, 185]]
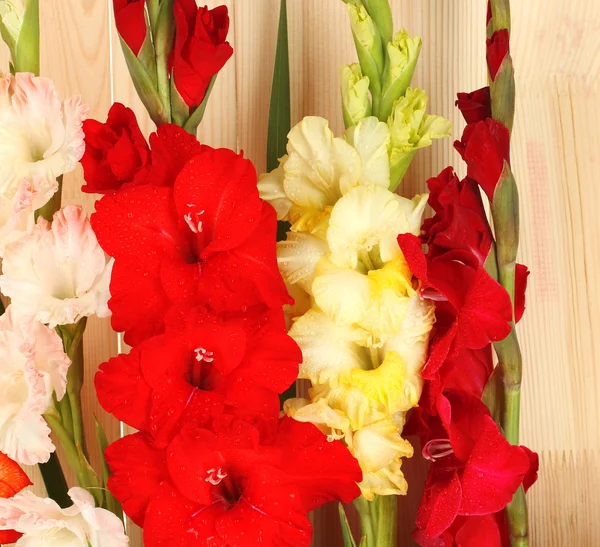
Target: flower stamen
[[437, 449]]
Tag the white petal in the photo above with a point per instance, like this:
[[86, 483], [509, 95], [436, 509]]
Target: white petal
[[32, 366], [297, 257], [327, 349], [39, 134], [58, 273], [45, 524], [320, 167], [371, 139], [270, 187], [17, 214], [343, 294]]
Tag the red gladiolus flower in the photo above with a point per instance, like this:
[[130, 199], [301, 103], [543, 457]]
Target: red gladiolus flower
[[200, 50], [131, 22], [467, 532], [481, 483], [172, 147], [459, 230], [498, 48], [116, 153], [475, 106], [12, 480], [209, 240], [230, 486], [485, 146], [200, 368], [472, 309]]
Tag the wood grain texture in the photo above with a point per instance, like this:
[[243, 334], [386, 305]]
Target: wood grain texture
[[556, 143]]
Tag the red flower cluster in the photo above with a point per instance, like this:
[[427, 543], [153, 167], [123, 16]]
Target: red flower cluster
[[196, 289], [12, 480], [474, 472], [200, 50]]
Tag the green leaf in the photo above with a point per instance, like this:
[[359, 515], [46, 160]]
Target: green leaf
[[280, 122], [27, 49], [191, 126], [111, 503], [144, 85], [55, 482], [346, 532], [279, 111]]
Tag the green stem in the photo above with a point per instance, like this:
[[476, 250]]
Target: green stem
[[366, 521], [72, 336], [55, 482], [86, 477], [387, 521], [164, 84], [379, 520], [505, 210], [516, 513], [501, 14], [66, 413]]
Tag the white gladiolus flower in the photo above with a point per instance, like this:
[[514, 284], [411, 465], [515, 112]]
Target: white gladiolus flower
[[364, 226], [58, 273], [39, 134], [17, 213], [33, 365], [45, 524]]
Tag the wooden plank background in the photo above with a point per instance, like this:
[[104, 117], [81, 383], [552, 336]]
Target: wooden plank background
[[556, 48]]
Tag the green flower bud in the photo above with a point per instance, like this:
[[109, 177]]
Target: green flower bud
[[11, 18], [411, 129], [355, 95], [369, 49], [20, 29], [403, 54], [381, 13]]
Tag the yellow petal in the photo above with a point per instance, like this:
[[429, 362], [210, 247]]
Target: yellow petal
[[297, 258], [270, 187], [319, 165], [388, 385], [342, 293], [365, 223], [388, 481], [378, 445], [327, 349], [331, 422]]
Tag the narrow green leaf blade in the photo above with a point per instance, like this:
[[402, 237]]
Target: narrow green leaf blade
[[111, 503], [346, 532], [55, 482], [279, 111]]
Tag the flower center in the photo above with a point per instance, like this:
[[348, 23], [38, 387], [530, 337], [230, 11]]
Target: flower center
[[201, 368], [226, 490], [437, 449]]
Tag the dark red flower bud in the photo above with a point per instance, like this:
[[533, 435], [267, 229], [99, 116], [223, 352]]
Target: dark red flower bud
[[200, 48], [116, 153], [498, 48], [475, 106], [131, 22], [485, 146]]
